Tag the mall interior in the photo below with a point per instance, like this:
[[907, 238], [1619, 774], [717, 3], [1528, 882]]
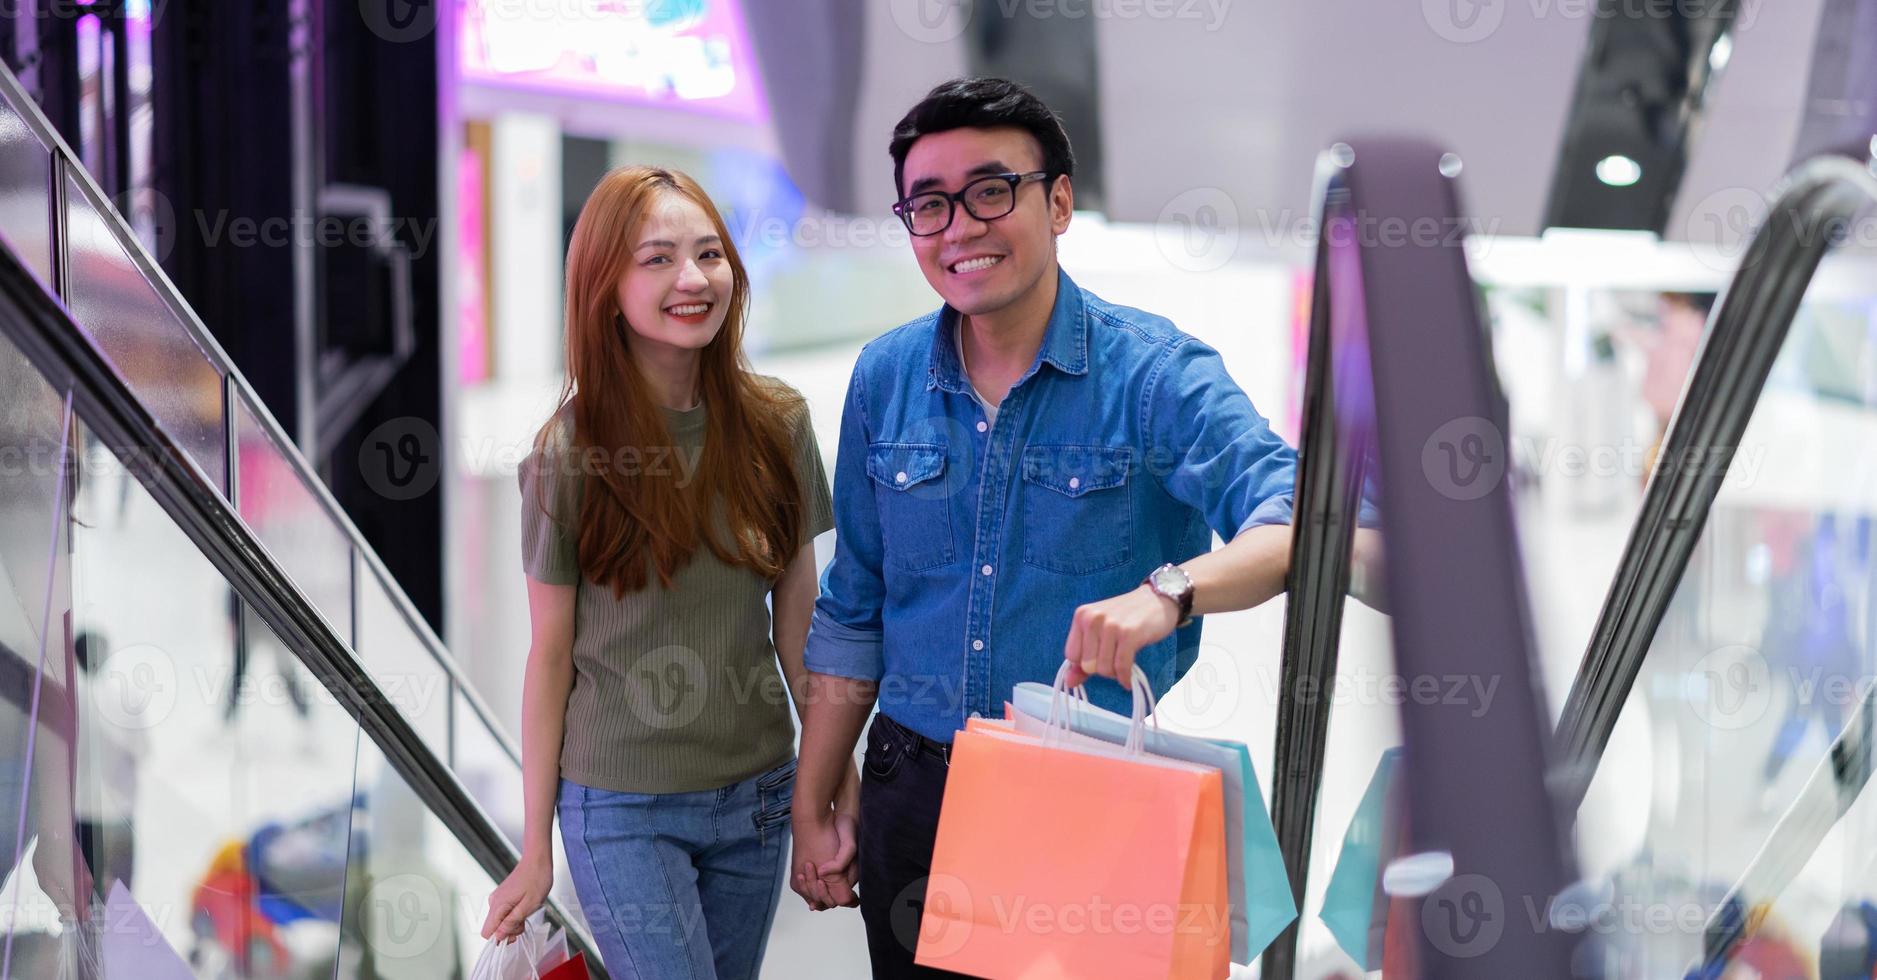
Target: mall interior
[[1570, 304]]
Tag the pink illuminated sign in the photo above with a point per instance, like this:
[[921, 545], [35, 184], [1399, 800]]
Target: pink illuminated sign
[[683, 54]]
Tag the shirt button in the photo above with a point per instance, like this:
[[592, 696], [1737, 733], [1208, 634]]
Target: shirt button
[[900, 477], [986, 569], [1075, 481], [977, 644], [982, 426], [976, 714]]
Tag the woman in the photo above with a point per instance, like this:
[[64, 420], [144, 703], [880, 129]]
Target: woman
[[670, 494]]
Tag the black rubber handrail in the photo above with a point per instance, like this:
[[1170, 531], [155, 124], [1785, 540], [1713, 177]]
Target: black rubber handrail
[[1323, 523], [1453, 583], [16, 98], [1815, 202], [44, 332]]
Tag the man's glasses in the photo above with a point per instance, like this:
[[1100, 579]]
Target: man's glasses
[[986, 198]]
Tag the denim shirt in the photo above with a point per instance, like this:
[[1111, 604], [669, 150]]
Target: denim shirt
[[962, 549]]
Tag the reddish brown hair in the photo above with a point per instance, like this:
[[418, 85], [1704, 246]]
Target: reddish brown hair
[[746, 474]]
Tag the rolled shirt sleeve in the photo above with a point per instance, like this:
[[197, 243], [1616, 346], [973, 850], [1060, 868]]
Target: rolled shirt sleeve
[[844, 634], [1222, 457]]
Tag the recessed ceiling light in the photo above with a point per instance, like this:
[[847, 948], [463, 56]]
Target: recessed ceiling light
[[1618, 170]]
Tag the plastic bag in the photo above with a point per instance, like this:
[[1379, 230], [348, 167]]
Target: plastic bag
[[78, 952], [516, 959]]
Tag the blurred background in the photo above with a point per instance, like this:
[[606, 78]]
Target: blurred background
[[323, 242]]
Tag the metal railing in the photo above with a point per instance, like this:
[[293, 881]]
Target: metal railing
[[202, 495]]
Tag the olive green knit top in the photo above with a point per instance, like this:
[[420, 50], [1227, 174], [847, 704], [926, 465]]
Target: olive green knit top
[[675, 690]]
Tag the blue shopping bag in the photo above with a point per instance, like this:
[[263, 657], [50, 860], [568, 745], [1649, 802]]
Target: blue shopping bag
[[1257, 884], [1355, 908]]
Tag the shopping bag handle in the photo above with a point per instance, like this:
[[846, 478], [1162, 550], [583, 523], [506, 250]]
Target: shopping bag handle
[[1063, 699], [533, 941]]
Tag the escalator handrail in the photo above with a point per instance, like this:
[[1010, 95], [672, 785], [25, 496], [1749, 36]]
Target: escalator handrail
[[1317, 584], [1836, 783], [44, 332], [1429, 362], [1743, 338], [23, 104]]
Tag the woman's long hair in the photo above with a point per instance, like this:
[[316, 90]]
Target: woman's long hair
[[745, 484]]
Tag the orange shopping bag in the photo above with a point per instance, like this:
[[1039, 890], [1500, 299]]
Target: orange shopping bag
[[1059, 858]]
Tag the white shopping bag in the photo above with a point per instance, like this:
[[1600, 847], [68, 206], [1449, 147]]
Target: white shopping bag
[[515, 959], [78, 952]]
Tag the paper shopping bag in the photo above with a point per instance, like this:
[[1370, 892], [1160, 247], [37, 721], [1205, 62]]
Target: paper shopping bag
[[1058, 862], [571, 969], [1355, 908], [1260, 888]]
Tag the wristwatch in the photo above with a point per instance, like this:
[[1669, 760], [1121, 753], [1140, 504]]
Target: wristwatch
[[1170, 581]]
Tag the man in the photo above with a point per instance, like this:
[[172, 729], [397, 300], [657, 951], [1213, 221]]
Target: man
[[1027, 475]]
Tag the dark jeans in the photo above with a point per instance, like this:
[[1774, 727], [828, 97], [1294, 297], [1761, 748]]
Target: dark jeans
[[901, 786]]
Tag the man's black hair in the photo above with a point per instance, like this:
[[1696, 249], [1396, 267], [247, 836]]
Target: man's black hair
[[982, 103]]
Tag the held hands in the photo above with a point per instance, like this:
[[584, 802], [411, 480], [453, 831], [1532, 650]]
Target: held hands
[[518, 896], [1104, 636], [825, 846]]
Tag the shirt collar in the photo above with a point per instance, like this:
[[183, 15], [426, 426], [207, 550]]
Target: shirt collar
[[1065, 341]]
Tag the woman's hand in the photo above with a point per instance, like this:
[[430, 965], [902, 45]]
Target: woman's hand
[[823, 850], [518, 896]]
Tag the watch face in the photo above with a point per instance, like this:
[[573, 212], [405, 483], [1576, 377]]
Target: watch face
[[1171, 580]]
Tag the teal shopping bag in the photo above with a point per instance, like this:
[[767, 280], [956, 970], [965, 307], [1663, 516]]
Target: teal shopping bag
[[1355, 908], [1256, 882]]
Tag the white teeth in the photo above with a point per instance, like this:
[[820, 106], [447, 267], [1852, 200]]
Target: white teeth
[[973, 265], [691, 310]]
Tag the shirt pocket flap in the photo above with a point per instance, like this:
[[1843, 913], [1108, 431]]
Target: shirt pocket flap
[[1076, 470], [902, 466]]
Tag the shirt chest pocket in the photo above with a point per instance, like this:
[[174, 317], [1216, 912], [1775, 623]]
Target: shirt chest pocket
[[1077, 510], [914, 501]]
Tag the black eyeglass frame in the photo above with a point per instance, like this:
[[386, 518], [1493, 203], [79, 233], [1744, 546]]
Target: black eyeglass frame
[[903, 207]]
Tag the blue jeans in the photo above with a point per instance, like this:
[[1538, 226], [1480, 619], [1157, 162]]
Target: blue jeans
[[680, 885]]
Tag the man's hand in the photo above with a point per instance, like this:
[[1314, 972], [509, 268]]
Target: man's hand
[[825, 844], [1104, 636]]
